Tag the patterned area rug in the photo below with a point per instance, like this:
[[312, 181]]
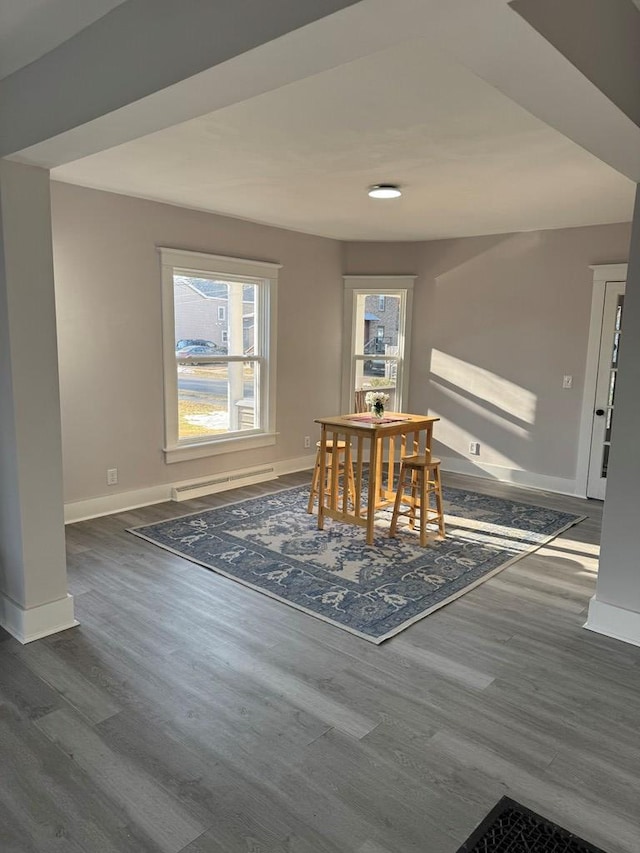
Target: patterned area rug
[[512, 828], [272, 545]]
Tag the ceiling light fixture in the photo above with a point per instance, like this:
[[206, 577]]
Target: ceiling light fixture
[[384, 191]]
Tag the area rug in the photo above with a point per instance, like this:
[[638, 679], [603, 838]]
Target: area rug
[[512, 828], [272, 545]]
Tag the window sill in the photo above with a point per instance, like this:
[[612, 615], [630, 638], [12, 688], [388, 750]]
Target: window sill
[[186, 452]]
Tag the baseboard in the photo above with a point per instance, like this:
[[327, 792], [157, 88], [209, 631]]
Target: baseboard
[[513, 476], [613, 621], [36, 622], [300, 463], [124, 501], [118, 502]]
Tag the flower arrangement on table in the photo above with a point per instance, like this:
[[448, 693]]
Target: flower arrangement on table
[[376, 399]]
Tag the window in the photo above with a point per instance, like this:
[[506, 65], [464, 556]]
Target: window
[[219, 380], [377, 356], [381, 303]]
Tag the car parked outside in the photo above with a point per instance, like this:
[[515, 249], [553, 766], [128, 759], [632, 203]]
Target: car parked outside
[[374, 367], [185, 343], [194, 354]]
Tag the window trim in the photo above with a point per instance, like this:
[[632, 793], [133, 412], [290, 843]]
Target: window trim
[[263, 273], [393, 285], [222, 313]]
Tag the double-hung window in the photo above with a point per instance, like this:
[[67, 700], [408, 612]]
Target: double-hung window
[[219, 336], [377, 312]]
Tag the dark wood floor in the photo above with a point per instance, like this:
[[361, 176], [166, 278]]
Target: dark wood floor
[[188, 713]]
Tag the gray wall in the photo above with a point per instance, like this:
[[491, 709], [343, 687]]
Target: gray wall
[[108, 300], [600, 37], [497, 322]]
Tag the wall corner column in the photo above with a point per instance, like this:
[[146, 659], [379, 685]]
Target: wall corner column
[[614, 610], [34, 601]]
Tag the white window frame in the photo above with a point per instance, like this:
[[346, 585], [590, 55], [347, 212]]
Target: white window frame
[[393, 285], [265, 275], [222, 313]]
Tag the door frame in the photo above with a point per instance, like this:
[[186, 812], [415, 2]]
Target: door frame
[[602, 274]]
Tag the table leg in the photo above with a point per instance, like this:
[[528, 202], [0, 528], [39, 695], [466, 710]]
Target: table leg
[[323, 476], [374, 485]]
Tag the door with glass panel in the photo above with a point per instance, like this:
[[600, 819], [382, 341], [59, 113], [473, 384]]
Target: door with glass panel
[[610, 336]]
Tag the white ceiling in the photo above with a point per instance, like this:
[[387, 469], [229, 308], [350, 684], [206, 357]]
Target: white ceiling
[[470, 160], [31, 28]]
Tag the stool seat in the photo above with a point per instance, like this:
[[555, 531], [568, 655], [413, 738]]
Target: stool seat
[[424, 481], [415, 462]]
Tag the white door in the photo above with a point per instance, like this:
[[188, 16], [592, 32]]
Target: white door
[[605, 388]]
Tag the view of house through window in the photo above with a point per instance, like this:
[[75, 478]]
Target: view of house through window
[[217, 373], [376, 344]]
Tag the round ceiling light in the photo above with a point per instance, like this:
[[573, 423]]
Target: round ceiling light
[[384, 191]]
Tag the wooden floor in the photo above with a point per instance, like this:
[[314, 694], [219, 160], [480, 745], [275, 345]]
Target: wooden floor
[[188, 713]]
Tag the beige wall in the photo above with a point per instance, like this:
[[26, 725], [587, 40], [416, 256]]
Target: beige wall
[[108, 299], [497, 322]]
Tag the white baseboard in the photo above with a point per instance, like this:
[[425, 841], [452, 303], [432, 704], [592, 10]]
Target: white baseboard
[[36, 622], [300, 463], [124, 501], [118, 502], [613, 621], [513, 476]]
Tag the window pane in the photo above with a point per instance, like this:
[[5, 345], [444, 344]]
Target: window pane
[[216, 398], [612, 388], [377, 328], [377, 336], [378, 373], [616, 349], [215, 313], [214, 317]]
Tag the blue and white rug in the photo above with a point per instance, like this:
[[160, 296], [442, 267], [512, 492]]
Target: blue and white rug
[[272, 545]]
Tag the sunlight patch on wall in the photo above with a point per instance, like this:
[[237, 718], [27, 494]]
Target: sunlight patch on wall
[[481, 383], [483, 412], [453, 436]]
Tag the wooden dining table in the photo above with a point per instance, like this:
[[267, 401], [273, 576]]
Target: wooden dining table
[[373, 446]]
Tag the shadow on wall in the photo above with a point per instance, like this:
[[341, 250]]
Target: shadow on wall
[[502, 318], [477, 405]]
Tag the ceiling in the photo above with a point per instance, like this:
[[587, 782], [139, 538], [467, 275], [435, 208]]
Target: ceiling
[[470, 160]]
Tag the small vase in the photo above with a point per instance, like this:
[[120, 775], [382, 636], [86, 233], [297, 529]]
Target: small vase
[[377, 410]]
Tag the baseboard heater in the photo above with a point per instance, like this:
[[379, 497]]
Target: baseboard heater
[[199, 488]]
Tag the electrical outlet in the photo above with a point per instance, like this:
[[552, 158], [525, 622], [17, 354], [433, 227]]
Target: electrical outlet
[[474, 448], [567, 381], [307, 441], [112, 476]]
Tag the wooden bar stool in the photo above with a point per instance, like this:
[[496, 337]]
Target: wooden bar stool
[[424, 480], [339, 449]]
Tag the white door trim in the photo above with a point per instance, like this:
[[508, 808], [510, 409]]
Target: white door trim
[[602, 274]]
